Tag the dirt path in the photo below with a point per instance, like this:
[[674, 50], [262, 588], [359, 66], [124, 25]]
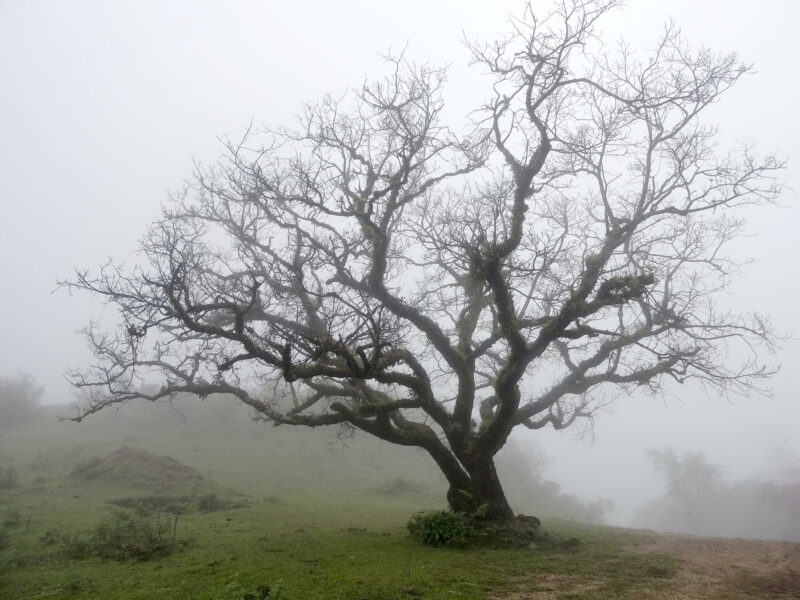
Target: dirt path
[[711, 569], [725, 569]]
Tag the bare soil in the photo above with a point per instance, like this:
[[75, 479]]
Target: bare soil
[[711, 569], [728, 569]]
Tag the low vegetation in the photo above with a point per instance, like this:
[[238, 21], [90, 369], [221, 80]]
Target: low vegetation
[[280, 514], [124, 536], [441, 527], [178, 505]]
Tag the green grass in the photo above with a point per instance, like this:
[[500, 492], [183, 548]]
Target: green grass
[[319, 522]]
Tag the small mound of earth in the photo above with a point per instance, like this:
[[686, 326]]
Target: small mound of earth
[[140, 469]]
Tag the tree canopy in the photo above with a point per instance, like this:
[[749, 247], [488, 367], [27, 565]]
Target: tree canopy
[[374, 269]]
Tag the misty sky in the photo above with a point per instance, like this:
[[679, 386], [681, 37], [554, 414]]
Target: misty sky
[[104, 105]]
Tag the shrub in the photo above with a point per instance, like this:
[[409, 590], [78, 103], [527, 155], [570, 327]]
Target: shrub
[[49, 538], [235, 591], [177, 505], [126, 536], [440, 528], [214, 503], [437, 528], [12, 518], [8, 478], [400, 486], [149, 505], [77, 547]]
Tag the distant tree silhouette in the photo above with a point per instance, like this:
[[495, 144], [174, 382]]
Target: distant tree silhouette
[[699, 501], [693, 483], [19, 400]]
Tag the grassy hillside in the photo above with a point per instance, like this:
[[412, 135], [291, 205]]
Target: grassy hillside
[[309, 515]]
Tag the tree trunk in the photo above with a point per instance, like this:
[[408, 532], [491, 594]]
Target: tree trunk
[[473, 483], [483, 490]]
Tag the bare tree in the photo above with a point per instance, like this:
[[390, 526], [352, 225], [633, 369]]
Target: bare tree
[[373, 269]]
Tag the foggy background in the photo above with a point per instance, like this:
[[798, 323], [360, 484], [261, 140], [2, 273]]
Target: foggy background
[[104, 105]]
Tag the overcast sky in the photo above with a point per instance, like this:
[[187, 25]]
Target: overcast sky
[[103, 106]]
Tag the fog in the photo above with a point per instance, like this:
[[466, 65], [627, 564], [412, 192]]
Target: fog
[[105, 106]]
